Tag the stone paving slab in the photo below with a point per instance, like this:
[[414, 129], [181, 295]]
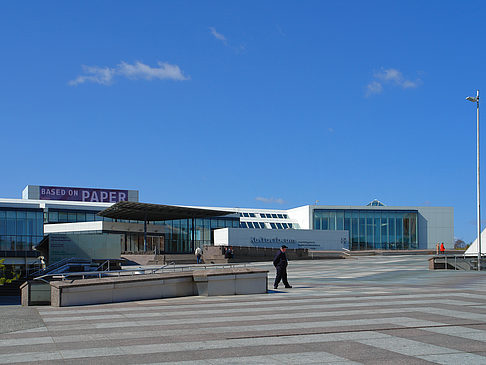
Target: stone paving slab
[[363, 310]]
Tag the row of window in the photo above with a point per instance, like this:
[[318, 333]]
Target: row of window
[[252, 225], [265, 215], [273, 215], [19, 214], [20, 229], [368, 230], [19, 243], [69, 216], [281, 225], [252, 215], [261, 225]]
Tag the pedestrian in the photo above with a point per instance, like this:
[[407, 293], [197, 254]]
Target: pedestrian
[[437, 248], [442, 248], [198, 254], [280, 263], [229, 253]]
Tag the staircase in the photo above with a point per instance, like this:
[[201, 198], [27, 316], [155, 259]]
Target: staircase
[[465, 263], [72, 264]]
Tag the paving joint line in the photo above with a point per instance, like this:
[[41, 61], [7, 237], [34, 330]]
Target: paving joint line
[[357, 330]]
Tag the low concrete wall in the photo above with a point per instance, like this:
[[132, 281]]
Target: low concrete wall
[[35, 293], [121, 289], [215, 255], [156, 286], [230, 281]]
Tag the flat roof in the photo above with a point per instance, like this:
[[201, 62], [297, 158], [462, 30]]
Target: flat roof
[[157, 212]]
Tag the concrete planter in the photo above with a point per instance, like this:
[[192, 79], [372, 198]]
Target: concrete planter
[[156, 286]]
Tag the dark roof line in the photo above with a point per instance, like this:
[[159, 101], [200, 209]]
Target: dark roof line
[[157, 212]]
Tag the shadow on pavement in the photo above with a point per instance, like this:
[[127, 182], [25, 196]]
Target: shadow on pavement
[[9, 300]]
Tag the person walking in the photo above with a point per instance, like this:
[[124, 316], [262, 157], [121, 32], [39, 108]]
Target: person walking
[[280, 263], [198, 254], [442, 248]]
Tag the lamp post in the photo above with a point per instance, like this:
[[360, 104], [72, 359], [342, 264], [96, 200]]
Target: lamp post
[[476, 100]]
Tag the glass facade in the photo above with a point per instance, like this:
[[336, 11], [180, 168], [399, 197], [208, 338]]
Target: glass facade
[[72, 216], [372, 229], [20, 229], [177, 236]]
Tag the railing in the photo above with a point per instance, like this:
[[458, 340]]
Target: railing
[[59, 264], [459, 262], [132, 272], [102, 265]]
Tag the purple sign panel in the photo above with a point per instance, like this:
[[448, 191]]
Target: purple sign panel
[[82, 194]]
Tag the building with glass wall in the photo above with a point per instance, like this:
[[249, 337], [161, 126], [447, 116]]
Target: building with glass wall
[[20, 228], [372, 230], [44, 210]]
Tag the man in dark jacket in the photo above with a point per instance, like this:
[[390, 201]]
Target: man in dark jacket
[[280, 263]]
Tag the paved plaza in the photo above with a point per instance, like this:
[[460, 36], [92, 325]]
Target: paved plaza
[[364, 310]]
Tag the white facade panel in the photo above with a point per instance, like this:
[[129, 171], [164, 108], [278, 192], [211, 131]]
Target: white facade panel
[[436, 225], [292, 238], [302, 215]]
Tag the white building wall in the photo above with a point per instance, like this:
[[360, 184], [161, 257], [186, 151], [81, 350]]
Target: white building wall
[[292, 238], [436, 224], [303, 216]]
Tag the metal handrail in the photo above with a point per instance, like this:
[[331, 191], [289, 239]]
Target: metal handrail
[[58, 264], [172, 263], [472, 262], [100, 266]]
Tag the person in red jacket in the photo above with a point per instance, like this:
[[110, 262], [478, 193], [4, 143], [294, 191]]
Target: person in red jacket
[[442, 248]]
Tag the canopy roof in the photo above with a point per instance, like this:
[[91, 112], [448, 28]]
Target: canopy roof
[[157, 212]]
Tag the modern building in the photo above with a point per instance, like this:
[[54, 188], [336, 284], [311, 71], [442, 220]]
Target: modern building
[[47, 210]]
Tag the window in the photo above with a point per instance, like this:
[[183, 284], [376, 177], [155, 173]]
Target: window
[[273, 225], [251, 215], [274, 216], [71, 217], [263, 215], [262, 225], [279, 226], [53, 217], [80, 217], [243, 225], [285, 216], [280, 216]]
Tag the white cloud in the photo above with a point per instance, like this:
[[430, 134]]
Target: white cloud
[[395, 77], [98, 75], [237, 49], [217, 35], [139, 70], [390, 76], [374, 87], [270, 200]]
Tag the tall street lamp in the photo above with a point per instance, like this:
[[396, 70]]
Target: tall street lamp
[[476, 100]]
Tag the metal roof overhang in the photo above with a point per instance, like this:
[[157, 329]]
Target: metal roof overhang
[[157, 212]]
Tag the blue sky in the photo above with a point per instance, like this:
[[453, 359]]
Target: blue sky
[[246, 103]]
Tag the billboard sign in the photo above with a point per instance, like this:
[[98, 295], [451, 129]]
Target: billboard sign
[[82, 194]]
